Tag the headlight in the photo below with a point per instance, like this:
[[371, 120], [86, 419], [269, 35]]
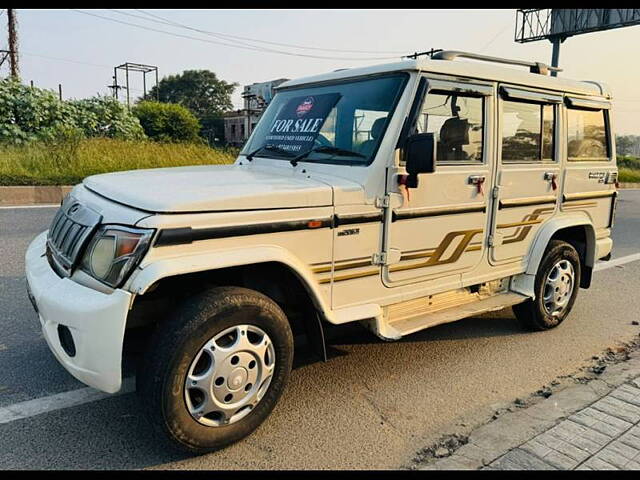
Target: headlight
[[114, 251]]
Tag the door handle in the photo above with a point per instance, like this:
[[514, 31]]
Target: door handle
[[478, 181], [552, 177], [611, 178]]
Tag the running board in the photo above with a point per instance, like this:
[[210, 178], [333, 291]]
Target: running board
[[406, 326]]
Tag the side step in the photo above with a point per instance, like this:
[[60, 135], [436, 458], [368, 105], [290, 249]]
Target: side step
[[406, 326]]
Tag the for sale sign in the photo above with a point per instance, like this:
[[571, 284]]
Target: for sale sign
[[298, 124]]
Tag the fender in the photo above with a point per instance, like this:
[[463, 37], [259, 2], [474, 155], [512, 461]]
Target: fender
[[524, 283], [148, 274], [574, 219]]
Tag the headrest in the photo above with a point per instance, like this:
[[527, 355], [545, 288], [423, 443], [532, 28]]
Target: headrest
[[455, 131], [376, 128]]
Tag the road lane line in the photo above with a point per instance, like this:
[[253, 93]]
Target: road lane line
[[616, 262], [10, 207], [59, 401]]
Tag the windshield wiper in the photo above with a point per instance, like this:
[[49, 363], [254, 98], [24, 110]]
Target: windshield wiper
[[326, 149], [269, 148]]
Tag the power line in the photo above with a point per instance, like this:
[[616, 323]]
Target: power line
[[66, 60], [222, 37], [165, 21], [494, 38], [259, 49]]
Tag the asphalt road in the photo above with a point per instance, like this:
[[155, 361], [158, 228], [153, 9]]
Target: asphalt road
[[371, 406]]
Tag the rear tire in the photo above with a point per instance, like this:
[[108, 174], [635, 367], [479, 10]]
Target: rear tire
[[229, 333], [556, 287]]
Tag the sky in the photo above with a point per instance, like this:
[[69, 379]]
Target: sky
[[79, 50]]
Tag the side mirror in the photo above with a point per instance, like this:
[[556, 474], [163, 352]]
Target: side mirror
[[419, 156]]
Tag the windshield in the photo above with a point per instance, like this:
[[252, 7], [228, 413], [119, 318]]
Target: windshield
[[338, 123]]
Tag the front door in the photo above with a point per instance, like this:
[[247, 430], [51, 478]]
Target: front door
[[528, 170], [440, 229]]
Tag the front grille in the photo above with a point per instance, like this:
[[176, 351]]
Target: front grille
[[70, 230]]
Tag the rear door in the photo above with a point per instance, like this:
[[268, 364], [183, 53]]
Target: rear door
[[591, 171], [528, 172]]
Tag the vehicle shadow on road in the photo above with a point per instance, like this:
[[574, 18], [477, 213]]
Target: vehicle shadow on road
[[340, 337]]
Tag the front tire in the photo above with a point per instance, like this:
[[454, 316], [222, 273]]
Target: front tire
[[556, 287], [215, 369]]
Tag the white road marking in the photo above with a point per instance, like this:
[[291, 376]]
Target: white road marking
[[616, 262], [9, 207], [59, 401]]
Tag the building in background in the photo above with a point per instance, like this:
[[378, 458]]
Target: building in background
[[239, 124]]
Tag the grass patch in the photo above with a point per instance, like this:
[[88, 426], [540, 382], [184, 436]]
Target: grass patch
[[628, 169], [628, 175], [626, 161], [67, 163]]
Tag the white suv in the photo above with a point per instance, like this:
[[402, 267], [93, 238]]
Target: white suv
[[400, 196]]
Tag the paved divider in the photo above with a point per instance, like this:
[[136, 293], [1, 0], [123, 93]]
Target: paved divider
[[586, 426], [33, 195]]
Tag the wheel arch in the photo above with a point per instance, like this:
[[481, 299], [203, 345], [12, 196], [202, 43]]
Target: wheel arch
[[271, 271], [576, 230], [149, 274]]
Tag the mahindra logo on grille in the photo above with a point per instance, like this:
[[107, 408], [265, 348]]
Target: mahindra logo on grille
[[74, 209]]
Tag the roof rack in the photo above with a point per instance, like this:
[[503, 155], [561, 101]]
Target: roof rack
[[430, 53], [534, 67]]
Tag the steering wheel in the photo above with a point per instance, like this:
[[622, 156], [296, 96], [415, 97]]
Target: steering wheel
[[322, 141]]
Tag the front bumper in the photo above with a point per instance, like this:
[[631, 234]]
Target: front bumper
[[95, 320]]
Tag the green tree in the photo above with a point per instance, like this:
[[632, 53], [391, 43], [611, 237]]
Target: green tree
[[201, 91], [167, 121], [28, 114], [105, 117], [624, 144]]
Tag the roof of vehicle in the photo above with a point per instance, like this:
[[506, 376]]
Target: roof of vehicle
[[472, 70]]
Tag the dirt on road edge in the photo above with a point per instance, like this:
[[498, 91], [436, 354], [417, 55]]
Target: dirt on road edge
[[593, 369]]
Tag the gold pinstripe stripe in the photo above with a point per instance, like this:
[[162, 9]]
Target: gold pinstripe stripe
[[578, 205], [519, 224], [433, 256]]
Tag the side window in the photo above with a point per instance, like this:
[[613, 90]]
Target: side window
[[527, 132], [457, 122], [587, 135]]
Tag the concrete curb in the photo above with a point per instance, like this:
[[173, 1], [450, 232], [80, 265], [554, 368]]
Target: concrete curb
[[33, 195], [42, 195], [489, 442]]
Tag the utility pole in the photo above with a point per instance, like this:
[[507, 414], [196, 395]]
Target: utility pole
[[115, 87], [13, 42], [134, 67]]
